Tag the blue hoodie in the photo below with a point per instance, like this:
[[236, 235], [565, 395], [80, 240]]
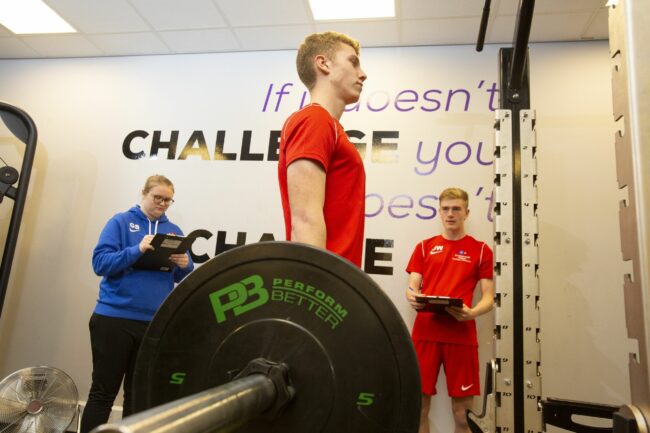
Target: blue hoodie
[[126, 292]]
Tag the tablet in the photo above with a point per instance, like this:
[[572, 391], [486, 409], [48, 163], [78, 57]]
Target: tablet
[[437, 304]]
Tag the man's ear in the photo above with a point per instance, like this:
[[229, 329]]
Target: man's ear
[[321, 64]]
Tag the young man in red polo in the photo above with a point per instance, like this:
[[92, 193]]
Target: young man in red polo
[[450, 264], [321, 174]]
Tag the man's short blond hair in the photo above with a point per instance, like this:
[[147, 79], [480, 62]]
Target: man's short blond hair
[[319, 43], [454, 193]]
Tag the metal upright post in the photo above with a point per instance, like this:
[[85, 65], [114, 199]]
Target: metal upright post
[[532, 383], [516, 379], [629, 31], [505, 365]]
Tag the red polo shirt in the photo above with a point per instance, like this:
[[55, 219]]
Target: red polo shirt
[[312, 133]]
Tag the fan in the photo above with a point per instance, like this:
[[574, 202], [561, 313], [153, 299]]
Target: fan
[[37, 400]]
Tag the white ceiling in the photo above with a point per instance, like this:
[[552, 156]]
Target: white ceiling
[[140, 27]]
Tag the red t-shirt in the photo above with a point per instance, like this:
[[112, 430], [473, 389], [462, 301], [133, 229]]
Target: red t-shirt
[[449, 268], [312, 133]]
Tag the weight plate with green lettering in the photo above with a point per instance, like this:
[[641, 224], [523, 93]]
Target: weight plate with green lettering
[[350, 357]]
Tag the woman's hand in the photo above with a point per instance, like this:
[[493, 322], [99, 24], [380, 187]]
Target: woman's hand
[[145, 243], [180, 260]]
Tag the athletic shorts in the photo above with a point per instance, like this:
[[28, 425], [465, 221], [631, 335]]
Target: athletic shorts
[[459, 361]]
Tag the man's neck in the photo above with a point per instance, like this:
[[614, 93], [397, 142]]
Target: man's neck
[[333, 106], [453, 235]]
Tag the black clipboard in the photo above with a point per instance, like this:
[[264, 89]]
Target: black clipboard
[[164, 245], [437, 304]]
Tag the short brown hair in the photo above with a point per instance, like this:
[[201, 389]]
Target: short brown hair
[[319, 43], [454, 193], [155, 180]]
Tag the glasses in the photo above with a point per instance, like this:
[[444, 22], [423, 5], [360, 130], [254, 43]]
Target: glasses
[[159, 199]]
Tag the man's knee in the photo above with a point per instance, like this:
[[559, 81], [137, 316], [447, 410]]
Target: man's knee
[[460, 416]]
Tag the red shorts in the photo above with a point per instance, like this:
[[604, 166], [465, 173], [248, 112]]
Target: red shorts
[[459, 361]]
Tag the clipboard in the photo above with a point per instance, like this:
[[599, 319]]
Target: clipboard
[[164, 245], [437, 304]]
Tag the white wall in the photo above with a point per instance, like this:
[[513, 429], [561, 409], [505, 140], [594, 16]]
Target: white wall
[[584, 337], [84, 109]]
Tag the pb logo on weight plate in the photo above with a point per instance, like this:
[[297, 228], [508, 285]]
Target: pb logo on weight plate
[[250, 293], [239, 298]]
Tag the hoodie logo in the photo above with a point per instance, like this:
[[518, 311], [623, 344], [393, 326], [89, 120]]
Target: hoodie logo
[[133, 227]]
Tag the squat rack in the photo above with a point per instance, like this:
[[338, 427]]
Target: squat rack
[[513, 398]]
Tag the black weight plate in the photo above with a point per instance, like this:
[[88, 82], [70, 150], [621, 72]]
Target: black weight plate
[[349, 353]]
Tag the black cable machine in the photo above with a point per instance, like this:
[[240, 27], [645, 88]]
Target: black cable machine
[[23, 128]]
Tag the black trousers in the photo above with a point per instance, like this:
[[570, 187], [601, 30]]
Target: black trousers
[[115, 343]]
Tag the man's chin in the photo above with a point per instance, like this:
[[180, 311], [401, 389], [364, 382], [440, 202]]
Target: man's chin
[[353, 99]]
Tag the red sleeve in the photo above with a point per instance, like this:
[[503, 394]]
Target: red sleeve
[[416, 264], [486, 265], [311, 135]]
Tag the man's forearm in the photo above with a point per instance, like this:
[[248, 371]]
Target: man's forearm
[[483, 306]]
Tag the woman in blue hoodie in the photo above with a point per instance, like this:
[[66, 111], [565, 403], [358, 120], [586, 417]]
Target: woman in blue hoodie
[[128, 297]]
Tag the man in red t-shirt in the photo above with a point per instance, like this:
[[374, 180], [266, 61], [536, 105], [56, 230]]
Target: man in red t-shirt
[[321, 175], [450, 264]]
